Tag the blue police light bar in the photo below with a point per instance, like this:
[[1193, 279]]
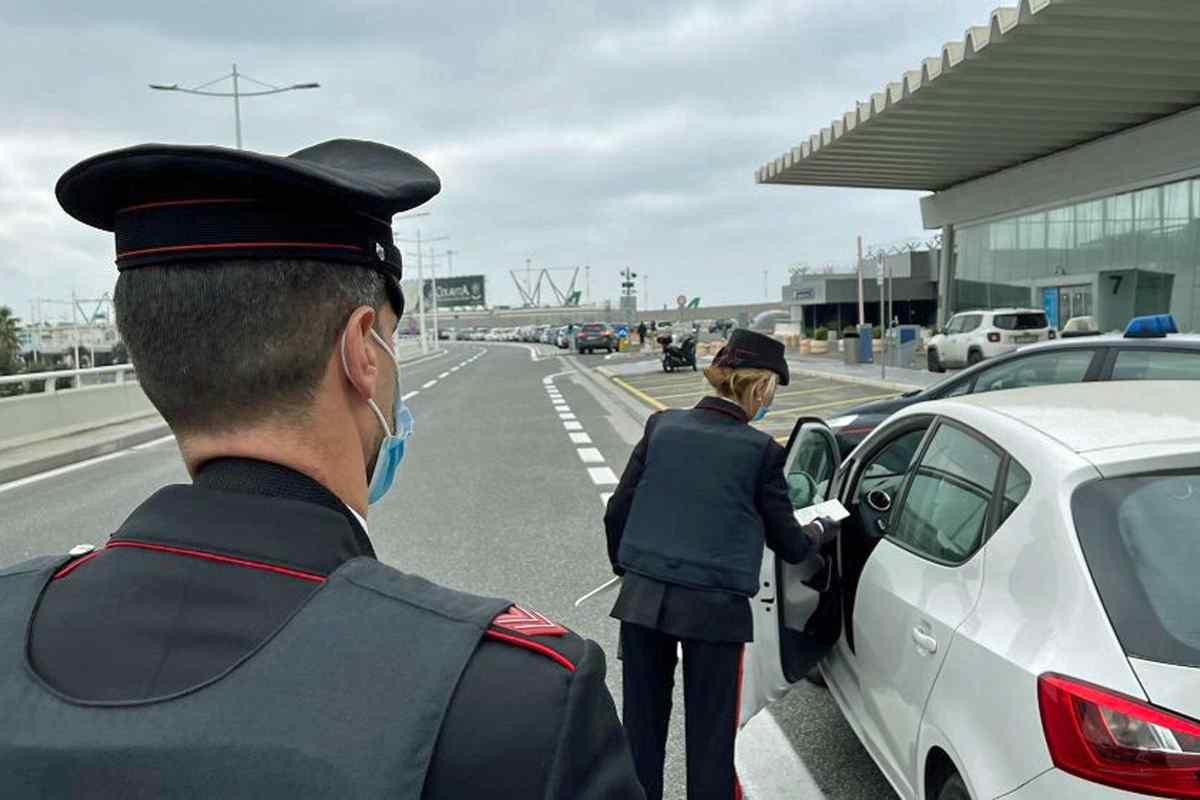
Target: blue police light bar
[[1155, 326]]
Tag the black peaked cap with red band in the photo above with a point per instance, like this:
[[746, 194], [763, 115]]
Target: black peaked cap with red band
[[331, 202]]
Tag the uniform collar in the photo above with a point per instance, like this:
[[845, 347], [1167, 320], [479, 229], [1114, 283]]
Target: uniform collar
[[256, 510], [723, 406]]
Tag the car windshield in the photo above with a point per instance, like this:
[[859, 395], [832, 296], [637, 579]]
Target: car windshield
[[1020, 322], [1142, 544], [593, 328]]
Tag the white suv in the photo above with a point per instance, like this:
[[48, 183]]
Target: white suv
[[972, 336]]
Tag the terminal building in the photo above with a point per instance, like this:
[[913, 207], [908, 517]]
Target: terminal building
[[1060, 144]]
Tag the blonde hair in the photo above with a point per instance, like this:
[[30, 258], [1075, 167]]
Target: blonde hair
[[738, 384]]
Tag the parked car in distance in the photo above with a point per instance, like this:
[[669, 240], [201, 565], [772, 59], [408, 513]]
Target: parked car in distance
[[562, 337], [973, 336], [1132, 356], [595, 336], [1014, 605]]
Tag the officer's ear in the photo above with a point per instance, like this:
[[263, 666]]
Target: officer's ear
[[360, 357]]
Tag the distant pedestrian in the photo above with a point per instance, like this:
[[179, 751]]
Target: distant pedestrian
[[688, 540], [641, 329]]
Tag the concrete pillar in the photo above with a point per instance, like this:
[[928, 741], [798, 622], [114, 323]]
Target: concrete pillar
[[946, 269]]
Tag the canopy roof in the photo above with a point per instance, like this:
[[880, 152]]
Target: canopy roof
[[1040, 78]]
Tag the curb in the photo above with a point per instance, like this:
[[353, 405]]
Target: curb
[[889, 386], [47, 463]]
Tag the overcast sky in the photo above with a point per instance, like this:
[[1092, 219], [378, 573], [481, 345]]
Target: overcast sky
[[608, 133]]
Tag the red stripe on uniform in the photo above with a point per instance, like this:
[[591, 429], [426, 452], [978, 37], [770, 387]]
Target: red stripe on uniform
[[69, 568], [239, 562], [553, 655], [183, 248]]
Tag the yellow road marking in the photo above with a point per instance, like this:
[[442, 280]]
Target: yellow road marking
[[671, 385], [845, 402], [639, 394]]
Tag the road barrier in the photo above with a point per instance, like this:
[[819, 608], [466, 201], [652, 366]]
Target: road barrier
[[96, 397]]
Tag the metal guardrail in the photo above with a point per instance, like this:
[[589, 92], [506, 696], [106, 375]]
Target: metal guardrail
[[121, 373]]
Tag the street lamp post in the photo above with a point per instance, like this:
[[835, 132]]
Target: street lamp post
[[237, 94], [420, 254]]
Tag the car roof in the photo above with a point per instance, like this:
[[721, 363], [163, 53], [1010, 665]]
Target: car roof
[[1002, 311], [1085, 417]]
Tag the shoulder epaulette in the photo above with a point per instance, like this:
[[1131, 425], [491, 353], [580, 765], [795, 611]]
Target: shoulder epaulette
[[518, 626]]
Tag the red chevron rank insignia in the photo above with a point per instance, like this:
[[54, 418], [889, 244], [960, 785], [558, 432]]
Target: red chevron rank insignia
[[529, 623]]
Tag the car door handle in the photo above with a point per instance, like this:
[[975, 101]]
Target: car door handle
[[924, 642]]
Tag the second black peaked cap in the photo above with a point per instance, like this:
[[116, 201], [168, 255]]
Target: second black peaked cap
[[333, 202], [749, 349]]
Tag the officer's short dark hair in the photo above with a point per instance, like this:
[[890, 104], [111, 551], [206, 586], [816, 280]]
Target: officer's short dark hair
[[221, 345]]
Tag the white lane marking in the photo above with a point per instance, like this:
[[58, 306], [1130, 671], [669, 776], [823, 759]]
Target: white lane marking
[[605, 497], [153, 442], [602, 475], [768, 765], [572, 425], [427, 385], [456, 369], [590, 455], [560, 407], [443, 376], [410, 394], [54, 473], [562, 415], [580, 438]]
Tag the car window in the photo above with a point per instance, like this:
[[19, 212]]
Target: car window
[[887, 468], [1016, 486], [964, 387], [1066, 366], [955, 325], [971, 322], [1140, 540], [1156, 365], [1020, 322], [943, 513], [810, 467]]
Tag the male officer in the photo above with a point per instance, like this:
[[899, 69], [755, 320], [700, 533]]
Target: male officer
[[236, 637]]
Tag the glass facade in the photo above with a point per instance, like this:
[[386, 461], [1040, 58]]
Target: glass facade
[[1112, 259]]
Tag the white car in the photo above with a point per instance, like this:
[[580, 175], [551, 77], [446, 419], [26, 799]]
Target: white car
[[972, 336], [1012, 609]]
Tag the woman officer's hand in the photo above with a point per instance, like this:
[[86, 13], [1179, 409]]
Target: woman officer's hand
[[822, 531]]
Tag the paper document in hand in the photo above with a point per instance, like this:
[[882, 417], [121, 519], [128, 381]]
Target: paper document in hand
[[830, 508]]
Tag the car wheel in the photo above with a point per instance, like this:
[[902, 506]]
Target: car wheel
[[953, 788], [933, 362], [974, 357]]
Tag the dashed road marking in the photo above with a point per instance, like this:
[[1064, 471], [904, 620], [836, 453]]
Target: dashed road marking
[[590, 455], [431, 383], [572, 425], [580, 438], [410, 394], [566, 415], [561, 407], [602, 476], [443, 376]]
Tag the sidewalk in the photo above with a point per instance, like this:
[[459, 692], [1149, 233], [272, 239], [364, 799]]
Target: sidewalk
[[22, 458]]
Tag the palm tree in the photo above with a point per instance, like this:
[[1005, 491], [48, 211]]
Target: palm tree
[[9, 345]]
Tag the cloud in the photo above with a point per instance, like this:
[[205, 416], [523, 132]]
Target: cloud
[[607, 133]]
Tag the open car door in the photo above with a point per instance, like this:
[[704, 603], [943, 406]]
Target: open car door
[[797, 615]]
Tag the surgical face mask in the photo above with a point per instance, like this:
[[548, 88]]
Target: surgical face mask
[[391, 448], [763, 409]]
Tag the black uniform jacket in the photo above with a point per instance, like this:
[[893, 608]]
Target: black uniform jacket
[[185, 588], [689, 612]]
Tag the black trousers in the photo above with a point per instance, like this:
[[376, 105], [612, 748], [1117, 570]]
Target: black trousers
[[711, 693]]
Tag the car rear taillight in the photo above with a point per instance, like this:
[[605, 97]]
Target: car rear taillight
[[993, 338], [1116, 740]]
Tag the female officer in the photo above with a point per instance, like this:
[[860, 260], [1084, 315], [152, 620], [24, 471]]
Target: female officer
[[702, 493]]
